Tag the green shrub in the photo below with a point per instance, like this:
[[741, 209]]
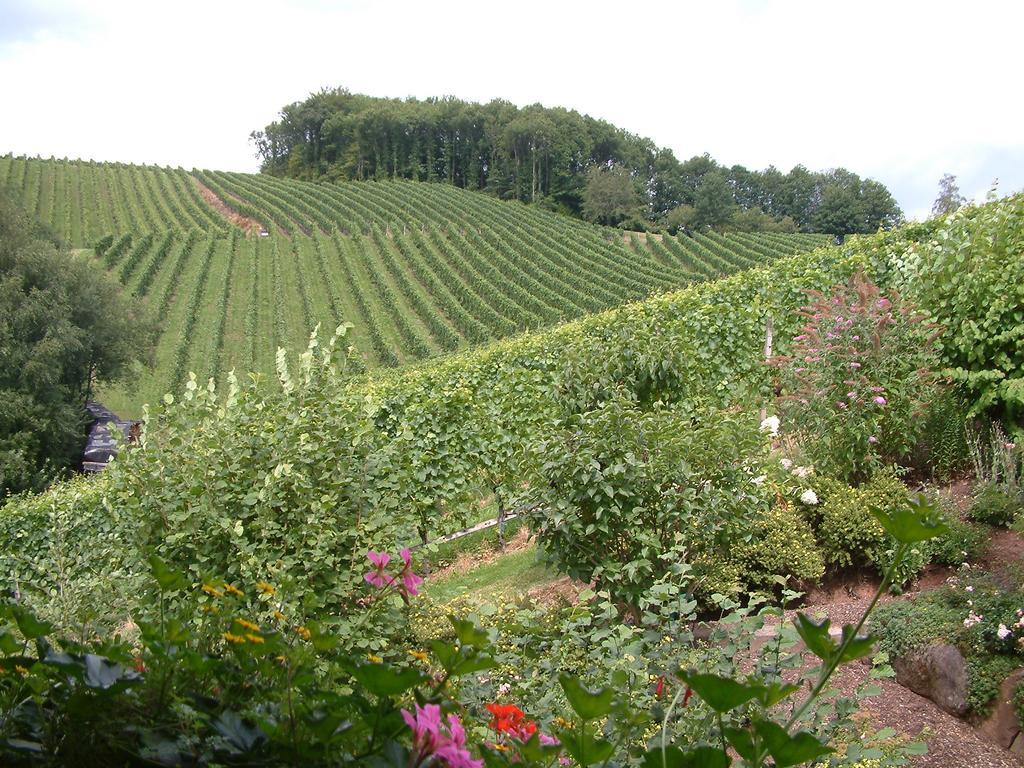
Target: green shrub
[[961, 543], [907, 625], [848, 533], [985, 674], [633, 496], [942, 451], [853, 382], [969, 277], [996, 504], [780, 543]]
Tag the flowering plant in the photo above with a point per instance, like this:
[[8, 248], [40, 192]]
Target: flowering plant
[[268, 690], [852, 383]]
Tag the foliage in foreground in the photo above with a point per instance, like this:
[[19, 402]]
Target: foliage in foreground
[[63, 327], [242, 682]]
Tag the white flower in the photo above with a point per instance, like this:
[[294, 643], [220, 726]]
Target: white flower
[[1002, 633], [785, 463], [759, 480], [968, 589], [809, 497], [803, 471], [503, 689], [972, 619], [771, 426]]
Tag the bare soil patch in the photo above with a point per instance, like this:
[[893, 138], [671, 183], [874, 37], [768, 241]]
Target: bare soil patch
[[211, 197], [468, 561]]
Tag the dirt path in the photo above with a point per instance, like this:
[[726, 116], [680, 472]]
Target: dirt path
[[951, 741], [243, 222]]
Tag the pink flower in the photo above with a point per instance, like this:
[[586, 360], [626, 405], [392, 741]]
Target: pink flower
[[548, 741], [410, 581], [841, 405], [426, 727], [883, 303], [801, 337], [454, 752], [856, 338], [851, 395], [377, 577], [430, 737], [855, 365], [880, 400], [872, 439]]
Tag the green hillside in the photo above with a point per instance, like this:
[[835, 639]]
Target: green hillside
[[418, 269]]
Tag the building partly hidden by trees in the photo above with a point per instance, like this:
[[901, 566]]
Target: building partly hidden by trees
[[64, 326], [548, 156]]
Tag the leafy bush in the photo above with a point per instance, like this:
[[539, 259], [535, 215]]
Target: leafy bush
[[844, 524], [250, 685], [780, 543], [985, 674], [942, 451], [969, 277], [853, 381], [64, 326], [907, 625], [633, 496], [996, 504], [961, 543]]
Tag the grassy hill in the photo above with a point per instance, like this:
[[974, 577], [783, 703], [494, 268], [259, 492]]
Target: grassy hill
[[419, 269]]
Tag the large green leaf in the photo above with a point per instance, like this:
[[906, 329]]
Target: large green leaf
[[786, 749], [584, 747], [589, 706], [722, 694], [384, 680], [916, 522], [816, 636]]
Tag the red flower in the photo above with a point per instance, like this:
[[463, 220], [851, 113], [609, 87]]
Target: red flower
[[659, 689], [509, 719], [687, 695]]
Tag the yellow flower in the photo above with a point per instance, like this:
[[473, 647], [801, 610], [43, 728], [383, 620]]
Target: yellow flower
[[20, 669], [212, 591], [419, 655], [561, 722], [501, 747], [279, 616], [208, 608], [231, 589], [303, 632], [281, 660], [248, 625], [374, 658], [233, 638], [254, 638], [265, 588]]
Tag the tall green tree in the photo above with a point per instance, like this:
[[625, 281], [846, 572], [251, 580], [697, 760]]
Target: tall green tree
[[64, 326], [949, 198], [535, 154], [713, 203], [610, 196]]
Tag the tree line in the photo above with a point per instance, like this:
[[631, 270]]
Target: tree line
[[562, 160]]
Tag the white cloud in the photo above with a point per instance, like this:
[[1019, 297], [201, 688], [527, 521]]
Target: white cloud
[[902, 92]]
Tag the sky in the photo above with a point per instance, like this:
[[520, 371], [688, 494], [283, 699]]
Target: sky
[[898, 91]]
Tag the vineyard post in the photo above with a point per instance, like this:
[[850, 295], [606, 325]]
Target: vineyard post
[[769, 333]]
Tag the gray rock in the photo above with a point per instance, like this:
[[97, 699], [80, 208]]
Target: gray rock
[[938, 673], [1017, 747], [1002, 726]]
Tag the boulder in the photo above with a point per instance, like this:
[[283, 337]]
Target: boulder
[[939, 673], [1018, 745], [1002, 726]]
